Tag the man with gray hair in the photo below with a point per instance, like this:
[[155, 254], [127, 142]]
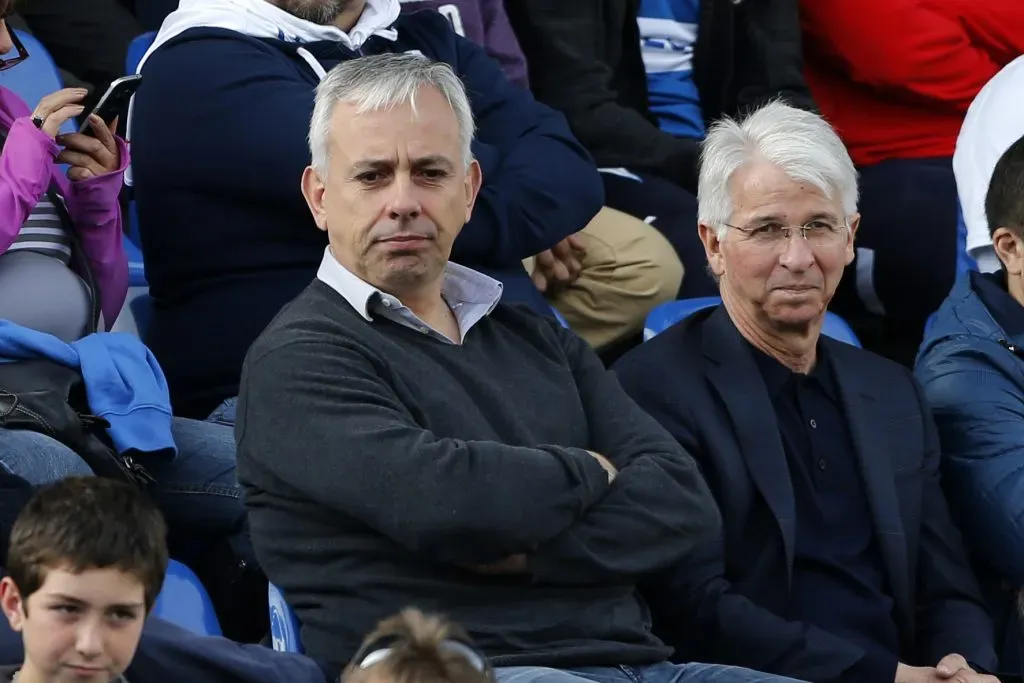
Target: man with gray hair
[[837, 561], [406, 440]]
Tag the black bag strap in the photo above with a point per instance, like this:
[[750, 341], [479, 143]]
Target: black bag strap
[[78, 253]]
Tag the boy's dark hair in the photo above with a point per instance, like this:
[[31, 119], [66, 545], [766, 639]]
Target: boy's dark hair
[[1004, 203], [418, 648], [83, 523]]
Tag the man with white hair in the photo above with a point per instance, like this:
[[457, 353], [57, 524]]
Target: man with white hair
[[406, 440], [837, 561]]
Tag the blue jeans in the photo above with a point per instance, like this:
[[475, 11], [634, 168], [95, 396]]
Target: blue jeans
[[197, 490], [665, 672]]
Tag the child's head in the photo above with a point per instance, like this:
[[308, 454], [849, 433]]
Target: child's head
[[86, 561], [414, 648]]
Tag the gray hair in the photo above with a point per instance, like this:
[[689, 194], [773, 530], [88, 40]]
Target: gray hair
[[382, 82], [799, 142]]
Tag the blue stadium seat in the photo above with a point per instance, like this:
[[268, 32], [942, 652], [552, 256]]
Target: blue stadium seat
[[284, 625], [136, 49], [136, 268], [36, 77], [183, 601], [668, 314], [560, 318]]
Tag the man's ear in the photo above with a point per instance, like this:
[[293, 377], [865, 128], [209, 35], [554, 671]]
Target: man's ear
[[712, 248], [313, 189], [474, 179], [1010, 251], [11, 603]]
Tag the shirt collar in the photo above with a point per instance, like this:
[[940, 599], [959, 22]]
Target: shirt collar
[[776, 375], [461, 285]]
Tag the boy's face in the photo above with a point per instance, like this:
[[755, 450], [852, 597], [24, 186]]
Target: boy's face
[[77, 627]]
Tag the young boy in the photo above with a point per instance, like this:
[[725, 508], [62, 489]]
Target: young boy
[[86, 561]]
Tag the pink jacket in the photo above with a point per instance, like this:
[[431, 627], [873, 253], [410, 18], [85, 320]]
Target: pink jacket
[[28, 168]]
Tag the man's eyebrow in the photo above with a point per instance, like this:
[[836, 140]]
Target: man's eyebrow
[[372, 165], [435, 160]]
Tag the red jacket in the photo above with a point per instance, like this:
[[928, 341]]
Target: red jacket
[[895, 77]]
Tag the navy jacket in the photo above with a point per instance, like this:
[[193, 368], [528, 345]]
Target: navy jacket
[[974, 381], [219, 145], [730, 605]]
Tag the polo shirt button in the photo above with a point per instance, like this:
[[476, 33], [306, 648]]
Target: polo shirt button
[[814, 423], [821, 464]]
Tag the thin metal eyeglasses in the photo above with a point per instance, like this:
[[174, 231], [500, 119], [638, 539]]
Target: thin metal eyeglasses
[[817, 233]]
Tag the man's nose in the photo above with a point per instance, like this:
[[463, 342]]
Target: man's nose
[[403, 203], [797, 254]]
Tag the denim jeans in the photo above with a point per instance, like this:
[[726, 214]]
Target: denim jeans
[[197, 490], [655, 673]]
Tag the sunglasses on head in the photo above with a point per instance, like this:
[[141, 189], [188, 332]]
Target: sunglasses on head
[[379, 649], [21, 52]]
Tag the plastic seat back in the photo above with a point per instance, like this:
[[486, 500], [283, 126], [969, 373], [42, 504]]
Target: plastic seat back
[[183, 601], [668, 314], [284, 625]]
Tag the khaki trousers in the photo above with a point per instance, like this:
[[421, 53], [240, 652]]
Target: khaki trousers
[[628, 269]]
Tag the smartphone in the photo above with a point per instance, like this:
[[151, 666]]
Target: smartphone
[[114, 101]]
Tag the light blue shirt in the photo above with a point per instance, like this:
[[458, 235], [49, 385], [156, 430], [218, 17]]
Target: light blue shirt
[[469, 294]]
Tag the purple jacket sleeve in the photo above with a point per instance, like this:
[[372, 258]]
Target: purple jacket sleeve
[[26, 171]]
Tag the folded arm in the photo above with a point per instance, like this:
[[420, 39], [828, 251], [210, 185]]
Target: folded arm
[[348, 443], [655, 512]]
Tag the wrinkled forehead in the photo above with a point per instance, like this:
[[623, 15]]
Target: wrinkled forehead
[[762, 192], [426, 127]]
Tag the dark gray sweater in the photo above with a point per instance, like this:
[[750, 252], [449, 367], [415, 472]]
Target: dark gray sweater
[[379, 463]]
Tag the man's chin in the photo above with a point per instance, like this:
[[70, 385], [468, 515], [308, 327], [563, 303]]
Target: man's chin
[[795, 312]]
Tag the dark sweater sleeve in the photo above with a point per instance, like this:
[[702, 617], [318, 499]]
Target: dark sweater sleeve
[[657, 509], [321, 417], [540, 185], [561, 41]]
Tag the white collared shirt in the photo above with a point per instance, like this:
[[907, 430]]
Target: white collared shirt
[[469, 294]]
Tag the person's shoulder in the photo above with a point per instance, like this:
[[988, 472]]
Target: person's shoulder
[[671, 352], [877, 375], [214, 49], [317, 316]]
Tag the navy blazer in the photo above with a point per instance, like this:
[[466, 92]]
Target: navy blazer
[[730, 603]]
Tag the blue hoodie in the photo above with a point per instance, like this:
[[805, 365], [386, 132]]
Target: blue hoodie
[[971, 365], [123, 382], [219, 145]]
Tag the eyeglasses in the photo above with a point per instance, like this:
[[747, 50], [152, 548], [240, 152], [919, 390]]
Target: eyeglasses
[[817, 233], [6, 64]]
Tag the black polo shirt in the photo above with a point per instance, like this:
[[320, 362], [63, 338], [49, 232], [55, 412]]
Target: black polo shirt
[[838, 581]]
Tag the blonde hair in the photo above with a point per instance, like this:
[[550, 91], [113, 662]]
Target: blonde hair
[[412, 647]]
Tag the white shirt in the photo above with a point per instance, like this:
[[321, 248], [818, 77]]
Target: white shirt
[[993, 123], [470, 295]]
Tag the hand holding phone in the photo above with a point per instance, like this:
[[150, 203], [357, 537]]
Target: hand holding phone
[[113, 102]]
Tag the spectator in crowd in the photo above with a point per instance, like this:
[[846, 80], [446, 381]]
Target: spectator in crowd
[[970, 366], [992, 124], [89, 556], [896, 79], [218, 134], [636, 265], [61, 254], [585, 59], [837, 561], [404, 439], [412, 647]]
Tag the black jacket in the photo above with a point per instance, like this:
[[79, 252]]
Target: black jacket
[[730, 603], [584, 58]]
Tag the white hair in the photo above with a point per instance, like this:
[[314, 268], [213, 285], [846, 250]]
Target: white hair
[[382, 82], [801, 143]]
